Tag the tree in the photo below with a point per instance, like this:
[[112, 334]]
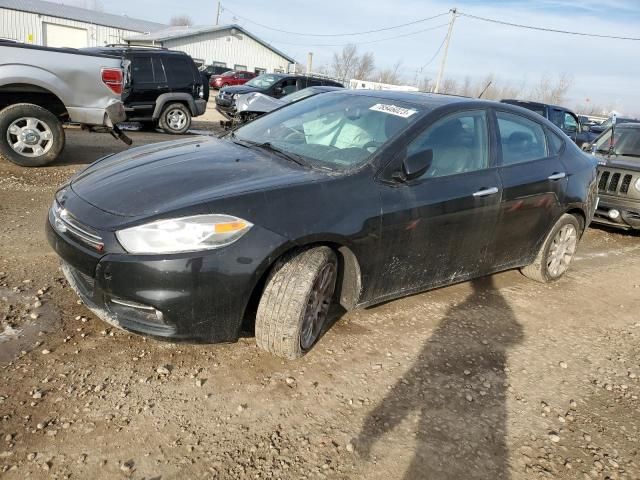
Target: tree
[[181, 21], [553, 91], [391, 75], [349, 64]]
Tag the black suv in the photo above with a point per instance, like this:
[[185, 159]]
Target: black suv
[[275, 85], [562, 117], [162, 87]]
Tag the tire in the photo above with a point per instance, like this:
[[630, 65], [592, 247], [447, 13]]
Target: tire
[[293, 311], [37, 133], [550, 263], [175, 119]]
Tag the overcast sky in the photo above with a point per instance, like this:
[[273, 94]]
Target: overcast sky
[[605, 72]]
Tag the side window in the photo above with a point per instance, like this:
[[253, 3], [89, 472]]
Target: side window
[[178, 70], [158, 71], [142, 71], [460, 143], [313, 82], [555, 143], [288, 86], [570, 123], [556, 117], [522, 139]]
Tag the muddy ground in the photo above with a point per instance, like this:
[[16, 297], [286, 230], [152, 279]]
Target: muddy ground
[[491, 379]]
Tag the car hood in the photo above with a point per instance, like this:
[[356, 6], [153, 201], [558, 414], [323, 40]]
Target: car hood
[[240, 89], [620, 161], [257, 102], [166, 176]]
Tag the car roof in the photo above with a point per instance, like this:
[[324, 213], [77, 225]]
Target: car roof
[[537, 104], [633, 124]]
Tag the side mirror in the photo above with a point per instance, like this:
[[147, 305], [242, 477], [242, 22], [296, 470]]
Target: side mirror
[[415, 166]]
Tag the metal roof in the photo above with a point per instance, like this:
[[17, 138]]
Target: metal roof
[[81, 15], [172, 33]]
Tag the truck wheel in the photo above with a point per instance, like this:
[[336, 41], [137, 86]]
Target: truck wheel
[[294, 307], [30, 136], [175, 119], [556, 252]]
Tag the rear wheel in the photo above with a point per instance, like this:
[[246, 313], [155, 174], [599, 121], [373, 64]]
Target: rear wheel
[[293, 310], [556, 252], [30, 136], [175, 119]]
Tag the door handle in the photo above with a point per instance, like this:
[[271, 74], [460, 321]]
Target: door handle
[[557, 176], [486, 192]]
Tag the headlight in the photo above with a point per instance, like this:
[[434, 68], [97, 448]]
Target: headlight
[[187, 234], [637, 185], [235, 95]]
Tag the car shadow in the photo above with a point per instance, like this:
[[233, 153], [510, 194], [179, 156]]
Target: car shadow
[[457, 388]]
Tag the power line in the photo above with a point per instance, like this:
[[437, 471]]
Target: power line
[[335, 34], [360, 43], [435, 55], [545, 29]]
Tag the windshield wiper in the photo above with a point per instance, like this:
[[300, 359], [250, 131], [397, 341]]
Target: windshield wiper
[[289, 156]]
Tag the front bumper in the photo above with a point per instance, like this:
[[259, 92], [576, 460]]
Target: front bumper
[[629, 213], [200, 296], [226, 106]]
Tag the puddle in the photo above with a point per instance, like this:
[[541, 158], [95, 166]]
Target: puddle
[[25, 331]]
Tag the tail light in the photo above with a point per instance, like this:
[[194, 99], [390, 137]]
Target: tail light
[[112, 78]]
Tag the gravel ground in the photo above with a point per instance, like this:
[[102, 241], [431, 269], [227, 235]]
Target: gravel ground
[[491, 379]]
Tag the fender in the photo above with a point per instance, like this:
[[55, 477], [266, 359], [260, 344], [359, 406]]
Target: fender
[[165, 98]]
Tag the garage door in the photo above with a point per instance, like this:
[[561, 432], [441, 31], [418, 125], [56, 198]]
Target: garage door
[[63, 36]]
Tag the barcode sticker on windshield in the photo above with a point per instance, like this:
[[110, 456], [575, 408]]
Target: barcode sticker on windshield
[[393, 110]]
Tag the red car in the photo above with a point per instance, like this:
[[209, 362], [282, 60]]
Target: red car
[[229, 78]]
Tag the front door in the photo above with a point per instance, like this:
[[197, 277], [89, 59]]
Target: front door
[[534, 182], [438, 229]]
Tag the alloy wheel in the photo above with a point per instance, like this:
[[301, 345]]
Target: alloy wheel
[[30, 137], [315, 315], [562, 250], [176, 119]]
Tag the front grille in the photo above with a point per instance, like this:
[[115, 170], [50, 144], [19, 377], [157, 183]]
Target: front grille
[[616, 183], [65, 223], [626, 181]]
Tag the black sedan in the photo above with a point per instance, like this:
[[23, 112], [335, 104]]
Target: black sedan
[[353, 197]]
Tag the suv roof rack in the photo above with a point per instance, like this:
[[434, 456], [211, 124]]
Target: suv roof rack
[[129, 46]]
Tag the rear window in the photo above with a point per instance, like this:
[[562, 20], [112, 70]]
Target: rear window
[[179, 70]]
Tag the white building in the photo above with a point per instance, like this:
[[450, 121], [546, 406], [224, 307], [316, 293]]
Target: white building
[[228, 46], [56, 25]]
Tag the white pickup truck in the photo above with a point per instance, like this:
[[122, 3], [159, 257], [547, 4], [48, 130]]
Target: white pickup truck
[[43, 88]]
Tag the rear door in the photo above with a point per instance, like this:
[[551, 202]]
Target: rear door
[[534, 182], [180, 74], [147, 82], [439, 228]]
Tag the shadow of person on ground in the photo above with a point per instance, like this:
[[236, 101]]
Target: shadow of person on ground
[[457, 390]]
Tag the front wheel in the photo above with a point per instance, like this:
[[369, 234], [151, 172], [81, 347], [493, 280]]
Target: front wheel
[[556, 252], [175, 119], [293, 310], [30, 136]]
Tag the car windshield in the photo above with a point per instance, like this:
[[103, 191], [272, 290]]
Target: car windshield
[[626, 141], [263, 81], [300, 94], [336, 131], [228, 74]]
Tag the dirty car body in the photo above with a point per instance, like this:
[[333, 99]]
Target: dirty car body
[[619, 177], [330, 170]]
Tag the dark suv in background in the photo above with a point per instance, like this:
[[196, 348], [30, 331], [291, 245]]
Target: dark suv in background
[[562, 117], [162, 87], [274, 85]]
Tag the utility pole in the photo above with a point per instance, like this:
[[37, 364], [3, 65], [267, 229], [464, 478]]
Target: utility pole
[[218, 12], [453, 12], [309, 62]]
